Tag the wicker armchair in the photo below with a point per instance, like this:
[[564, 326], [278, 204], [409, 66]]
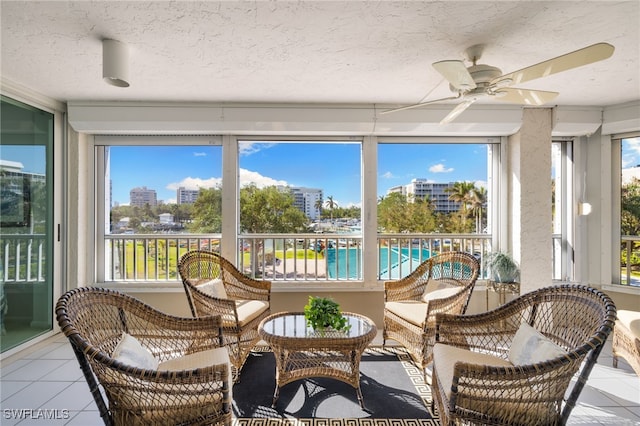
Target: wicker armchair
[[626, 339], [442, 283], [476, 380], [244, 302], [192, 382]]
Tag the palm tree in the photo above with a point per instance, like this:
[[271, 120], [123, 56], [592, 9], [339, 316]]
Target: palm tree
[[461, 193], [318, 205], [331, 204], [478, 203]]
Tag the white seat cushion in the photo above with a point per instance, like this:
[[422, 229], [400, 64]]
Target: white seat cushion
[[249, 310], [445, 358], [413, 311], [631, 320], [201, 360], [441, 293]]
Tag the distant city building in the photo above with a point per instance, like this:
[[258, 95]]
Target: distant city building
[[187, 196], [166, 218], [436, 192], [307, 200], [15, 169], [142, 196], [629, 174], [15, 185]]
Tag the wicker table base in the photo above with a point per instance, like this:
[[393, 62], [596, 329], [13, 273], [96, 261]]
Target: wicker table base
[[300, 352]]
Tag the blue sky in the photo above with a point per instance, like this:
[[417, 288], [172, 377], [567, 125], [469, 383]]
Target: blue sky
[[333, 167]]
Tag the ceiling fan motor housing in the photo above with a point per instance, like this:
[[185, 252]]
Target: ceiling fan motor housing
[[482, 75]]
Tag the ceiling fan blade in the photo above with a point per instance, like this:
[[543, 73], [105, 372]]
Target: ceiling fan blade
[[524, 96], [418, 105], [459, 109], [456, 73], [588, 55]]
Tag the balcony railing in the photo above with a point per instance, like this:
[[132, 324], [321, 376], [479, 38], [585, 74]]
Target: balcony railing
[[23, 258], [282, 257], [630, 260], [278, 257]]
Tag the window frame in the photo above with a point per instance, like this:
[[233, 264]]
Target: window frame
[[496, 176]]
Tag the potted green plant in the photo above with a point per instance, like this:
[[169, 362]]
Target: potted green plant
[[322, 313], [502, 266]]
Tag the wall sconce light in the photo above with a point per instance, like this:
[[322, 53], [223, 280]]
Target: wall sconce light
[[584, 209], [115, 63]]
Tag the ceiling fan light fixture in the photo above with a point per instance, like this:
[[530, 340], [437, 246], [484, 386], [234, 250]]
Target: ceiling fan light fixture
[[115, 63]]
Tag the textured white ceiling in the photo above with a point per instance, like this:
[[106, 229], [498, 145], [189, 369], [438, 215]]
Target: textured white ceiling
[[357, 52]]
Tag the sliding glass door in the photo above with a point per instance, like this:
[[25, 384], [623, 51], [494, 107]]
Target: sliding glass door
[[26, 223]]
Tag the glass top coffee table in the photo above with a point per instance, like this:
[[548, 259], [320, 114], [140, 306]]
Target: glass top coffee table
[[302, 352]]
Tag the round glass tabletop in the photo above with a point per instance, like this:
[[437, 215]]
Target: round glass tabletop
[[294, 325]]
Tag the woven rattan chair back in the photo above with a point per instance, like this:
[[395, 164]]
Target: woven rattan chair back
[[198, 266], [94, 319], [450, 269], [577, 318]]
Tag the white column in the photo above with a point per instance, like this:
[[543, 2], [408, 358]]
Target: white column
[[529, 153]]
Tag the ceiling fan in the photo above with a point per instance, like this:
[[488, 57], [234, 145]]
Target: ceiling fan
[[479, 80]]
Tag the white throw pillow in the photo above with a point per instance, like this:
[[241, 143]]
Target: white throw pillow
[[529, 346], [129, 351], [442, 293], [214, 288]]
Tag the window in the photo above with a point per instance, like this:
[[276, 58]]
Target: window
[[312, 189], [630, 212], [161, 197], [291, 209], [26, 223], [562, 211], [437, 192]]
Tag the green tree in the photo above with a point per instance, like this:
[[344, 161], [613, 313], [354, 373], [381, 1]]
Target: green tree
[[331, 205], [393, 213], [268, 210], [318, 206], [630, 203], [461, 192], [477, 204], [207, 212]]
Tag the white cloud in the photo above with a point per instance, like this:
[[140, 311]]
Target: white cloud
[[440, 168], [388, 175], [481, 183], [199, 154], [247, 177], [248, 148], [195, 183], [631, 152]]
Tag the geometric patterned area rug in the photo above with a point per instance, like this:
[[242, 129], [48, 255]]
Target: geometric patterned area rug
[[392, 386]]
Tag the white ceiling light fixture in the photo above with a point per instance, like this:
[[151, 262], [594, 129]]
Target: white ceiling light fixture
[[115, 63]]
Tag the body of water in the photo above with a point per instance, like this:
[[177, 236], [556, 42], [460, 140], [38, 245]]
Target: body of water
[[343, 263]]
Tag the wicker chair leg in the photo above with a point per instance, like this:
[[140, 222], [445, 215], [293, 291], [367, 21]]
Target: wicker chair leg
[[93, 387]]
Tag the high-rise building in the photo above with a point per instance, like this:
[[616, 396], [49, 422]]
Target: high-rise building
[[142, 195], [187, 196], [436, 192], [307, 200]]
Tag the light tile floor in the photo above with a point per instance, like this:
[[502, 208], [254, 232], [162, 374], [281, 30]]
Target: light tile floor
[[44, 386]]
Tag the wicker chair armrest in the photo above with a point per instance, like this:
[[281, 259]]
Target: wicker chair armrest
[[410, 287], [209, 305], [524, 387], [479, 331], [242, 287]]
